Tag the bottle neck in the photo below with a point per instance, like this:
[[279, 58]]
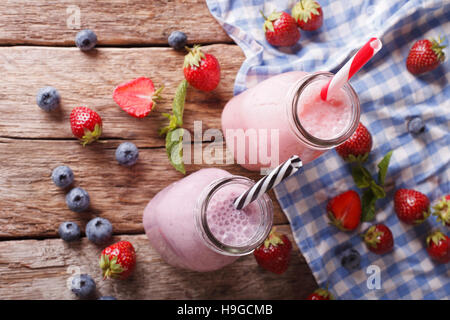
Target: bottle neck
[[204, 227], [294, 106]]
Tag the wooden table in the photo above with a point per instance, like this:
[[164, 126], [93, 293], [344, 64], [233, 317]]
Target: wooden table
[[37, 39]]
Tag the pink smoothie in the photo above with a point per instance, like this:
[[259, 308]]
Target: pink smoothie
[[230, 226], [170, 221], [265, 106]]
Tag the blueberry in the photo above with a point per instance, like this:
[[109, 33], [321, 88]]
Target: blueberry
[[48, 98], [416, 125], [127, 154], [69, 231], [99, 230], [86, 40], [83, 286], [62, 176], [107, 298], [177, 40], [350, 259], [78, 200]]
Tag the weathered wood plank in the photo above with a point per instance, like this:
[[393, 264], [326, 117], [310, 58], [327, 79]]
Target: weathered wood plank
[[40, 269], [89, 79], [116, 22], [32, 206]]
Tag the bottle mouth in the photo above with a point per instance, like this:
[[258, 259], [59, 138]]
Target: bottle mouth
[[265, 208], [299, 129]]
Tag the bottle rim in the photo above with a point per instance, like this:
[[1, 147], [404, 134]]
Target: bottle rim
[[295, 121], [201, 218]]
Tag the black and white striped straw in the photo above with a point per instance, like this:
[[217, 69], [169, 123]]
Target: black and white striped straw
[[284, 170]]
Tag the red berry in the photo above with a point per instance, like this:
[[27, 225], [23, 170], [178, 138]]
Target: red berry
[[357, 147], [281, 29], [442, 210], [438, 247], [86, 124], [379, 239], [308, 14], [275, 253], [411, 206], [425, 55], [320, 294], [344, 210], [118, 260], [201, 70], [137, 97]]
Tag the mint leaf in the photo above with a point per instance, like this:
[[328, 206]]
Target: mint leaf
[[377, 190], [173, 131], [361, 177], [383, 167], [178, 102], [174, 149], [368, 205], [172, 124]]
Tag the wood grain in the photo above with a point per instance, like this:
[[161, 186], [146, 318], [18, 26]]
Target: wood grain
[[33, 142], [116, 22], [32, 206], [40, 269], [90, 79]]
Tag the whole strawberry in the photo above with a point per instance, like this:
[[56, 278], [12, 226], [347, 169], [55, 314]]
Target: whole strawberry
[[357, 147], [281, 29], [201, 70], [308, 14], [425, 55], [320, 294], [411, 206], [378, 239], [438, 247], [275, 253], [118, 260], [442, 210], [344, 210], [86, 124], [137, 97]]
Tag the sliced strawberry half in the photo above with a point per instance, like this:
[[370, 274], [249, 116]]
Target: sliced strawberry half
[[137, 97]]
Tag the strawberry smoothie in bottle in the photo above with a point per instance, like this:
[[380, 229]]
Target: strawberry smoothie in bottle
[[285, 115], [193, 224]]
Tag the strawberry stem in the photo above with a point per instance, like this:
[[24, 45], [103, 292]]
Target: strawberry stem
[[262, 13]]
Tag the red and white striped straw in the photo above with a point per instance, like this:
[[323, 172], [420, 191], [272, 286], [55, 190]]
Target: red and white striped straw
[[352, 66]]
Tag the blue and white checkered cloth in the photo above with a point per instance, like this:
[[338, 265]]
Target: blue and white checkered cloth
[[389, 96]]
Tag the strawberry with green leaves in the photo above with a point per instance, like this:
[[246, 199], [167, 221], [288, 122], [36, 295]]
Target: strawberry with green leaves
[[344, 210], [379, 239], [280, 29], [275, 253], [118, 260], [442, 210], [201, 70], [411, 206], [425, 55], [320, 294], [86, 125], [438, 247], [308, 14], [137, 97], [357, 147]]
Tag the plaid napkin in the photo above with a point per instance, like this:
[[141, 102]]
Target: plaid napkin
[[389, 96]]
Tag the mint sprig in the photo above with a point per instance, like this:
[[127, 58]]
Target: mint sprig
[[174, 149], [174, 131], [372, 190], [383, 167]]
